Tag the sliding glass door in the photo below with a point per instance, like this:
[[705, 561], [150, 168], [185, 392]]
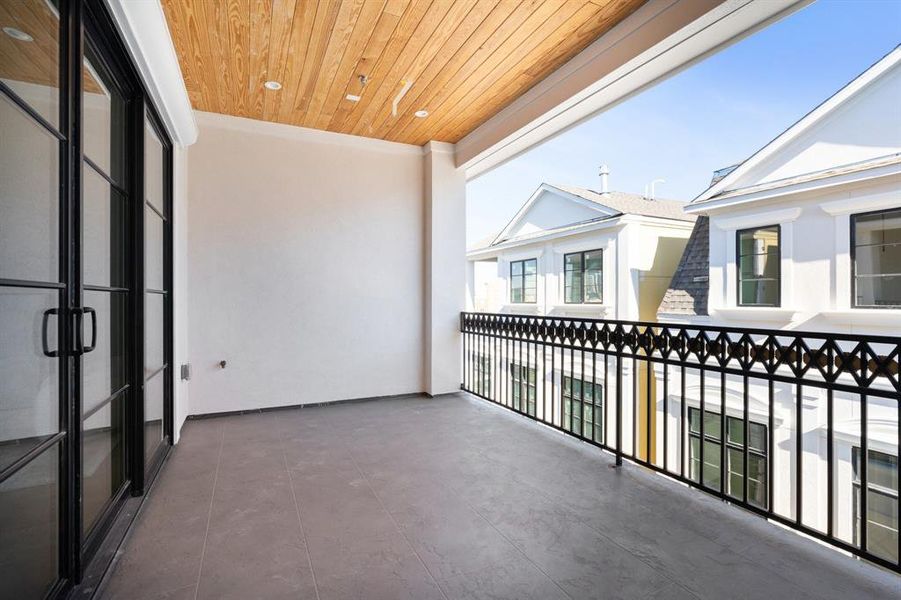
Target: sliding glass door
[[85, 290]]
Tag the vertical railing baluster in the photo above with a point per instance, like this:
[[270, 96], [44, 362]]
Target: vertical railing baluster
[[647, 408], [799, 456], [701, 424], [746, 438], [665, 415], [770, 453], [582, 395], [619, 409], [830, 462], [724, 471], [636, 426], [683, 434], [864, 460], [596, 420]]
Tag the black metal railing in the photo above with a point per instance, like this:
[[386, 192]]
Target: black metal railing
[[801, 428]]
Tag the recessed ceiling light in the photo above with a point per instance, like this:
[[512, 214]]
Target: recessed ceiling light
[[421, 114], [353, 97], [17, 34], [272, 85]]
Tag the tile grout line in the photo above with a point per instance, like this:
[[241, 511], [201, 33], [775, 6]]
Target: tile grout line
[[303, 535], [671, 577], [396, 524], [512, 544], [209, 515]]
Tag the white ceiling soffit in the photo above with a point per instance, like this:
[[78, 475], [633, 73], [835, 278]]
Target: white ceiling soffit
[[144, 29], [658, 40]]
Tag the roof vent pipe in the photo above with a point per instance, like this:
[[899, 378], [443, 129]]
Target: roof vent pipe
[[649, 192], [604, 172]]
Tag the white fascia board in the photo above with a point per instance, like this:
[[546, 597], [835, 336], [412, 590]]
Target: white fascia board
[[575, 229], [814, 185], [145, 31], [547, 187], [658, 40]]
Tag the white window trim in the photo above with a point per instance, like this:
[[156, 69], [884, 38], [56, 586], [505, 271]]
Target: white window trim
[[609, 264], [784, 218], [503, 268], [841, 212]]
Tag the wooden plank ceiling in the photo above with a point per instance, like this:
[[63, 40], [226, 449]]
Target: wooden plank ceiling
[[467, 59]]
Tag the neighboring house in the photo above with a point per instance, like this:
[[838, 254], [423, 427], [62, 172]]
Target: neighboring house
[[806, 234], [576, 252]]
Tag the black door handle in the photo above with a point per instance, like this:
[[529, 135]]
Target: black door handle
[[93, 313], [79, 313], [45, 345]]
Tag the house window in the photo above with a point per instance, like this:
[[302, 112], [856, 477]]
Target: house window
[[735, 447], [882, 503], [876, 241], [583, 412], [758, 266], [524, 387], [583, 277], [524, 281]]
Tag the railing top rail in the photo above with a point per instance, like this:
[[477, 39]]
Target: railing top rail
[[848, 363], [850, 337]]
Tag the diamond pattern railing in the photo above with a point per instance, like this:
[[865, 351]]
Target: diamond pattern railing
[[788, 416]]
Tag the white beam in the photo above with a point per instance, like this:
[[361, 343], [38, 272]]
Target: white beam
[[656, 41], [145, 31]]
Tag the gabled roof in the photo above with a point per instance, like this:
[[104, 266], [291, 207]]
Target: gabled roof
[[612, 204], [725, 184], [688, 290], [632, 204]]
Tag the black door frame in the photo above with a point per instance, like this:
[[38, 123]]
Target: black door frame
[[79, 19]]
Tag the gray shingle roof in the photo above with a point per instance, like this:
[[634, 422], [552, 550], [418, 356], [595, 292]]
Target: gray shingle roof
[[687, 292], [632, 204]]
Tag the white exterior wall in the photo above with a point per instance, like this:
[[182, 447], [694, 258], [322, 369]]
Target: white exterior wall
[[816, 260], [306, 260]]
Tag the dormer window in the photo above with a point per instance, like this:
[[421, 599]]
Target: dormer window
[[758, 266], [876, 247], [524, 281], [583, 277]]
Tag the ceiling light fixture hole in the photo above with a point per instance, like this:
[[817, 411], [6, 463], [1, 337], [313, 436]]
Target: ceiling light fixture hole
[[17, 34], [272, 85], [421, 114]]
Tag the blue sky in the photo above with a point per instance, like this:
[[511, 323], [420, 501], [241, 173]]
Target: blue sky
[[712, 115]]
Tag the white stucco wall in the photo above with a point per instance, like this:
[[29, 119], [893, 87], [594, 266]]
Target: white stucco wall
[[815, 263], [306, 266]]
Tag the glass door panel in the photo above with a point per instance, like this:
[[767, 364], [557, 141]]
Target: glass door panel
[[156, 305], [29, 380], [29, 528], [31, 299], [104, 323], [29, 197]]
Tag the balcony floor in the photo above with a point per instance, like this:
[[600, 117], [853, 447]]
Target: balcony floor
[[447, 498]]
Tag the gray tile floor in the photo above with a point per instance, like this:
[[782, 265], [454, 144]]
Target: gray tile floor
[[447, 498]]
